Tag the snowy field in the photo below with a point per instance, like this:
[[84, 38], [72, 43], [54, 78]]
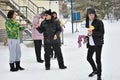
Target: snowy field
[[74, 57]]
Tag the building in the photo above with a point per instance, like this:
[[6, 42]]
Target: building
[[26, 9]]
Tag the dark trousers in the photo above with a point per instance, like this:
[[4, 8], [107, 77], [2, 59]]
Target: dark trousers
[[38, 44], [53, 54], [58, 52], [97, 50]]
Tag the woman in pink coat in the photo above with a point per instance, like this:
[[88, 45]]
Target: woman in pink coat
[[37, 37]]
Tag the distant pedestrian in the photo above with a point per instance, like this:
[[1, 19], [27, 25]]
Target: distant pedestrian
[[37, 37], [54, 14]]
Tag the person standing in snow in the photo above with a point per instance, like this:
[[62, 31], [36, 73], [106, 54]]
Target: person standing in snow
[[61, 25], [37, 37], [50, 29], [95, 42], [13, 29], [53, 54]]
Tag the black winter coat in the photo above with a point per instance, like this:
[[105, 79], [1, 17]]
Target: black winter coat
[[98, 32], [49, 28]]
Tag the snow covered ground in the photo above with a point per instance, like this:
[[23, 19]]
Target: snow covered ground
[[74, 57]]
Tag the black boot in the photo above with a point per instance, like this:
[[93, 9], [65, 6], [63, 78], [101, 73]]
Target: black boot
[[99, 78], [63, 67], [18, 67], [12, 67], [92, 74], [47, 68], [40, 60]]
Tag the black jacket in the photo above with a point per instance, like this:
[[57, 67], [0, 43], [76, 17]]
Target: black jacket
[[49, 28], [98, 32]]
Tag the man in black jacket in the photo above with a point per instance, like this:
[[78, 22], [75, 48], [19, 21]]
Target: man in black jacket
[[95, 42], [50, 29]]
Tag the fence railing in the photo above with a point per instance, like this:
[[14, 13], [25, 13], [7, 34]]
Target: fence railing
[[28, 8]]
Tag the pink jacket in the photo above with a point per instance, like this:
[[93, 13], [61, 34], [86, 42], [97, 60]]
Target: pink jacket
[[35, 34]]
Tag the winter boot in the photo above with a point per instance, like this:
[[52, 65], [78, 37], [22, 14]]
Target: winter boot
[[92, 74], [12, 67], [40, 60], [63, 67], [18, 67], [47, 68], [99, 78]]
